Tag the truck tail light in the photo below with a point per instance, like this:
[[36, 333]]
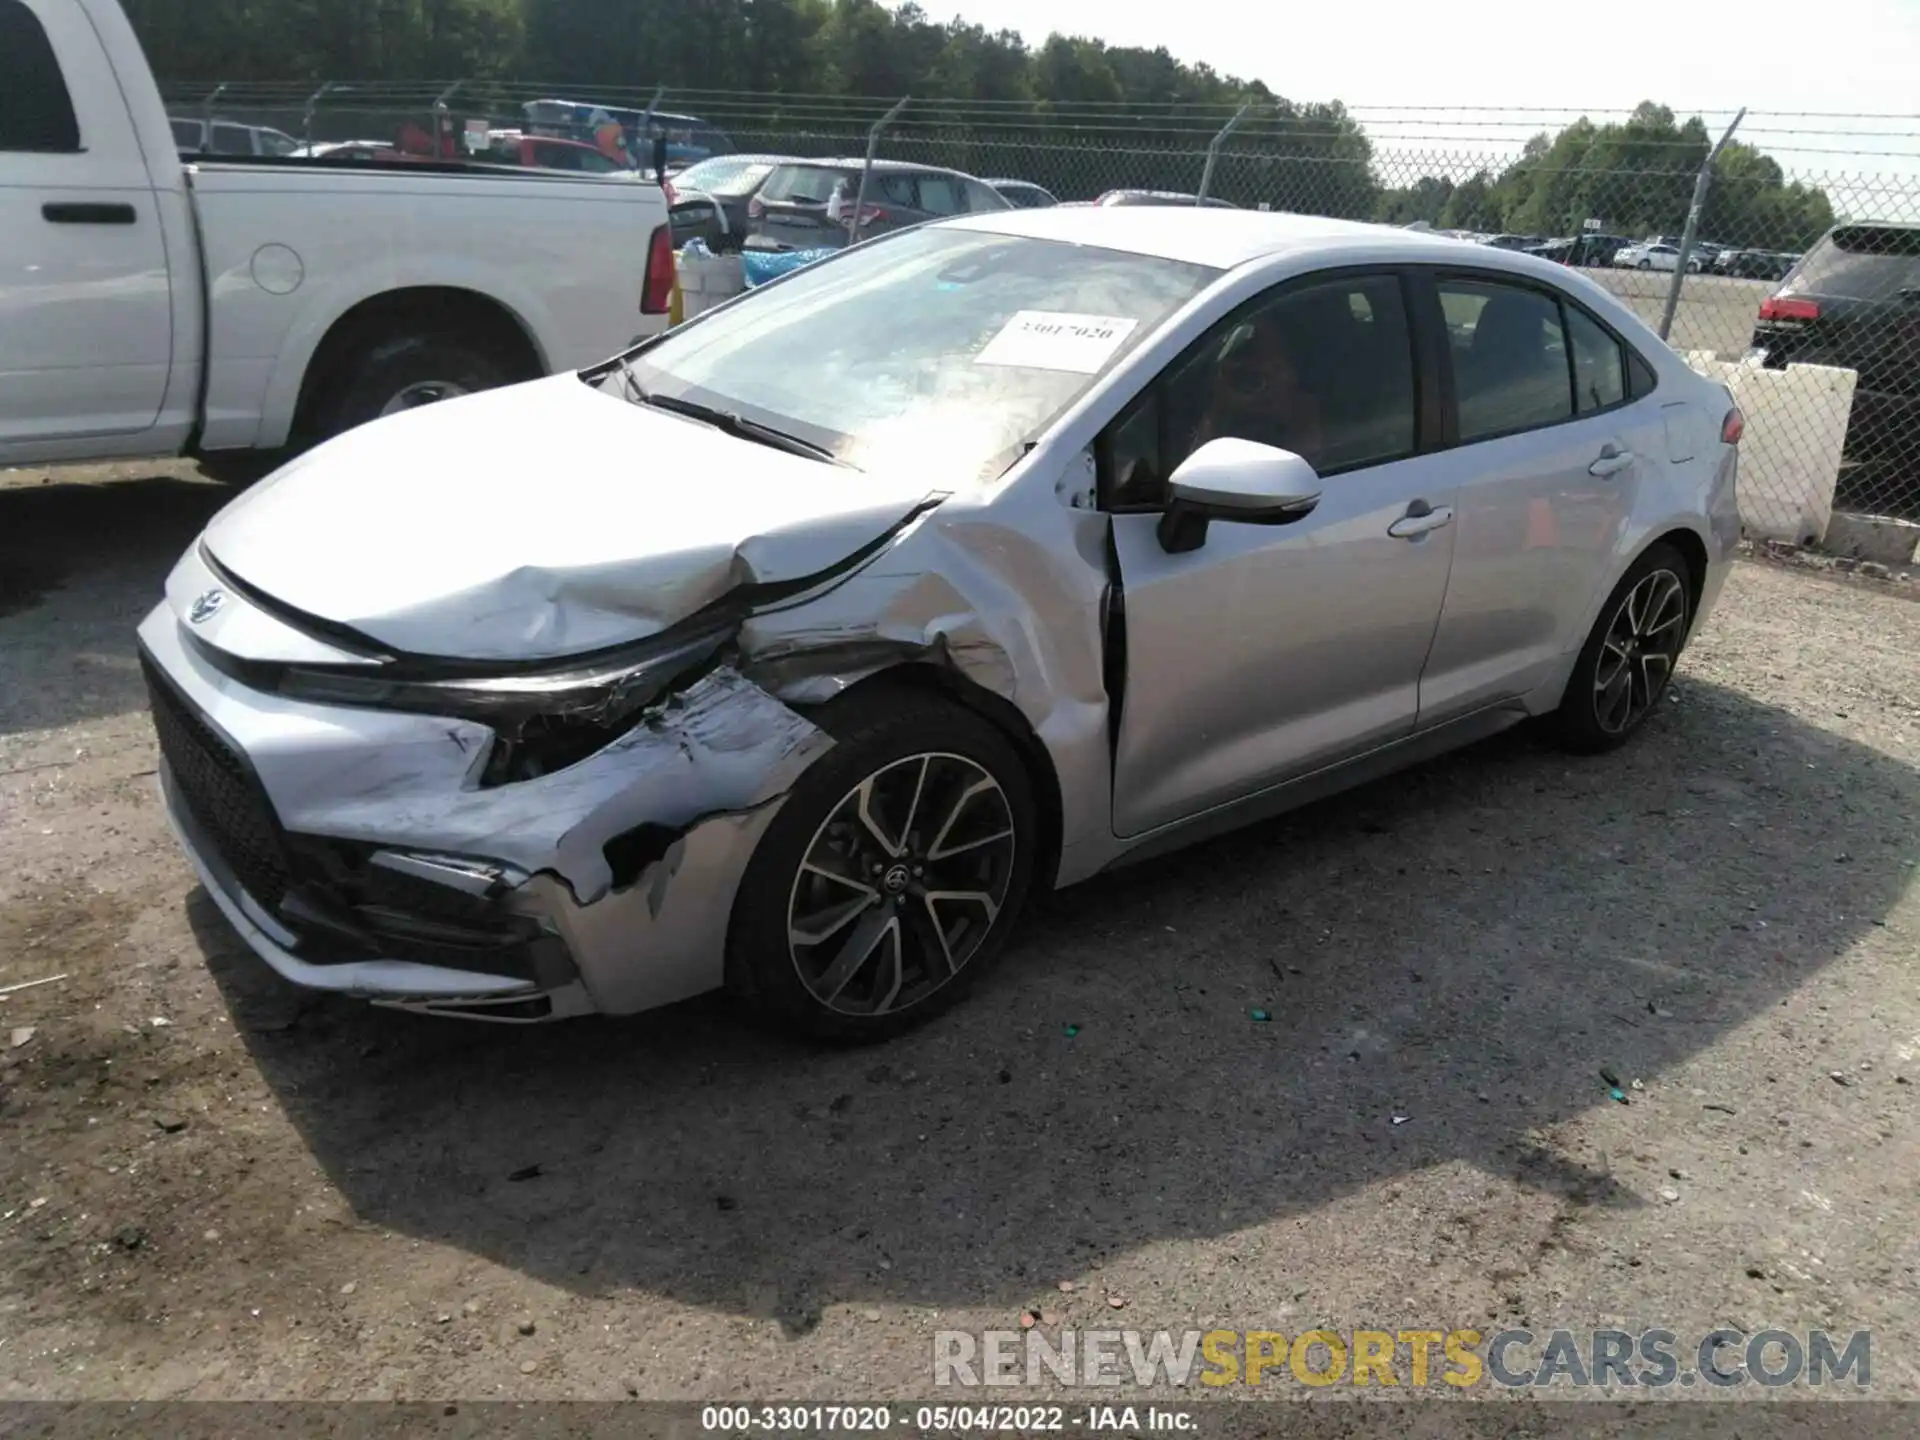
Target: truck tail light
[[871, 213], [666, 189], [755, 210], [1774, 308], [1732, 427], [656, 290]]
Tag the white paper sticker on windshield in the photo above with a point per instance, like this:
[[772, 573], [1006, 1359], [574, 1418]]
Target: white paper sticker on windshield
[[1057, 340]]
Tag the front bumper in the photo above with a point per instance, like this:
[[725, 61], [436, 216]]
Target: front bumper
[[355, 852]]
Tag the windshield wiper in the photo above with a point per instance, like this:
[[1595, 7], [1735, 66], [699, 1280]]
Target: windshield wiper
[[734, 424]]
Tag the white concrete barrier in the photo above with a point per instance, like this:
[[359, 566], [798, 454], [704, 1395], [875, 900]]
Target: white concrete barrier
[[1790, 455]]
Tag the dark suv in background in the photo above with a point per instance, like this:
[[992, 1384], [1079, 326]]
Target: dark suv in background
[[1854, 301], [793, 208]]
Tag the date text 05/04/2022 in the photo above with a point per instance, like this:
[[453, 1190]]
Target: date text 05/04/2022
[[944, 1419]]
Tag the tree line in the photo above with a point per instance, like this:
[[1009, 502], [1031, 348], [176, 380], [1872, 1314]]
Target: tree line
[[1071, 113]]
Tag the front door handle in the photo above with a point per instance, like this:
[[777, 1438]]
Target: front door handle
[[81, 213], [1420, 519], [1611, 462]]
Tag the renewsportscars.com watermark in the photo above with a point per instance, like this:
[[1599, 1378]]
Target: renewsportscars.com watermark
[[1414, 1359]]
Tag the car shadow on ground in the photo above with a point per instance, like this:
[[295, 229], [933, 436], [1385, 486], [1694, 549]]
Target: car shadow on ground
[[1467, 945], [81, 560]]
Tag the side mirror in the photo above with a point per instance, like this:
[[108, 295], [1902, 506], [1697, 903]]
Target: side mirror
[[1235, 480]]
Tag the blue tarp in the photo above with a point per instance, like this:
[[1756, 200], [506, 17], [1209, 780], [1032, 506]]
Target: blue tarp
[[760, 266]]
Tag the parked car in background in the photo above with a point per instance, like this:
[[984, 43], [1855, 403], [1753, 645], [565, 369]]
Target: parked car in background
[[786, 654], [1653, 255], [1755, 264], [548, 152], [1514, 242], [1024, 194], [1161, 197], [1853, 301], [226, 137], [809, 204], [710, 199], [385, 151], [689, 139], [1588, 248], [150, 307]]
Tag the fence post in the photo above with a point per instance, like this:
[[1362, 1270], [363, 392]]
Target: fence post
[[439, 112], [1692, 230], [313, 102], [873, 144], [656, 143], [1213, 148]]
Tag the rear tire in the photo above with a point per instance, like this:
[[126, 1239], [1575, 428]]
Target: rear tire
[[926, 811], [398, 372], [1624, 668]]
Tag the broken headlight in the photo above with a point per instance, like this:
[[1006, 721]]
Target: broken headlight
[[544, 720]]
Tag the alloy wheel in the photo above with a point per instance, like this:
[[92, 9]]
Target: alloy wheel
[[1637, 656], [901, 884]]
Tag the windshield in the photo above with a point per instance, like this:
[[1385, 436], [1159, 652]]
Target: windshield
[[803, 184], [943, 349], [724, 178]]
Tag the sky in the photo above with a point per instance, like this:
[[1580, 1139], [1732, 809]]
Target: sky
[[1706, 57]]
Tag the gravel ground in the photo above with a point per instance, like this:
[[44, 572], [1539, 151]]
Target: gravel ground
[[213, 1187], [1716, 312]]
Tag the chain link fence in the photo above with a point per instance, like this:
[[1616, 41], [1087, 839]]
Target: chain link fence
[[1786, 264]]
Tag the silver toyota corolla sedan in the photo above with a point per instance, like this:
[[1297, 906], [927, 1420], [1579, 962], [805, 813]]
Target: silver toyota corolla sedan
[[793, 650]]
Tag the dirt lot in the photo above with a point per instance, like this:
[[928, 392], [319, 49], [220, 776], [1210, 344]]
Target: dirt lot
[[212, 1187], [1715, 312]]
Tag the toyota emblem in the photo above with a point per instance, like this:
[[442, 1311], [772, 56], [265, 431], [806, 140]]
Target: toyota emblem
[[204, 607]]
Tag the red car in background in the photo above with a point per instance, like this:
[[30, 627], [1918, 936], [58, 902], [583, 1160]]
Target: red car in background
[[549, 152]]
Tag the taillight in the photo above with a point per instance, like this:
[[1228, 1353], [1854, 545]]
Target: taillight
[[656, 290], [871, 213], [1733, 427], [666, 189], [1774, 308], [755, 210]]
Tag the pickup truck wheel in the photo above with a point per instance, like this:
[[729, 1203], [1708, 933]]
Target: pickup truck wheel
[[404, 372]]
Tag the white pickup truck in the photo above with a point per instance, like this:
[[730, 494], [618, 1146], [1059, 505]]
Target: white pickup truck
[[152, 307]]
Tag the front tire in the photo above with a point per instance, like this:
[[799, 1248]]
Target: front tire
[[402, 372], [1627, 662], [888, 883]]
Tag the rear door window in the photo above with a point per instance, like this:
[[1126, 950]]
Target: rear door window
[[1599, 376], [942, 195], [1509, 355], [802, 184], [893, 188], [232, 140], [984, 198], [1861, 262], [186, 133], [36, 112]]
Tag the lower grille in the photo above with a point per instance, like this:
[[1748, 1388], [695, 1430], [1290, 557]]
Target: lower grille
[[220, 792]]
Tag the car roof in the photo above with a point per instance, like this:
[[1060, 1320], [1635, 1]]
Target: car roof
[[1227, 238], [880, 166], [736, 157]]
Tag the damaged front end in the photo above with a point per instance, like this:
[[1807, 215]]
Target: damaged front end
[[530, 840]]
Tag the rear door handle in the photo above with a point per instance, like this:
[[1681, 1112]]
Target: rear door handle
[[85, 213], [1611, 462], [1420, 519]]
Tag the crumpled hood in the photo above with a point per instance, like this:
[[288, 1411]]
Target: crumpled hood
[[542, 520]]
